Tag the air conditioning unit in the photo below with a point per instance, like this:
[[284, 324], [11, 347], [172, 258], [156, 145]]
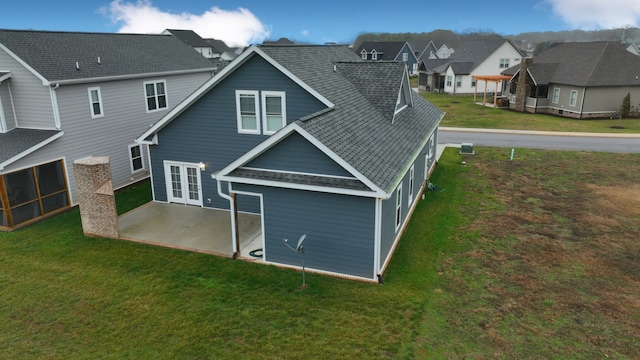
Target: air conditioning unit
[[467, 149]]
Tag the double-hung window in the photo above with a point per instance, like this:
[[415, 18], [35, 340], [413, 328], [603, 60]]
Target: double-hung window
[[260, 112], [573, 99], [248, 112], [156, 95], [273, 111], [398, 206], [95, 102], [556, 95], [135, 158], [449, 80], [504, 63]]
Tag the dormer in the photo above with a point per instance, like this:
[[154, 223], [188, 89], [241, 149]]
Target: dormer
[[364, 54], [374, 54]]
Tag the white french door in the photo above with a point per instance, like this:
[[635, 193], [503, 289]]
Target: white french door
[[183, 183]]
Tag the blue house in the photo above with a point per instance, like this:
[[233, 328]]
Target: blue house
[[389, 51], [314, 140]]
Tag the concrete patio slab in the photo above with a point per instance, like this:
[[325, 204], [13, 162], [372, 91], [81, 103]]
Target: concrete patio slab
[[190, 228]]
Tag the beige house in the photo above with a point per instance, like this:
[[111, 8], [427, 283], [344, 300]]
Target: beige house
[[577, 79]]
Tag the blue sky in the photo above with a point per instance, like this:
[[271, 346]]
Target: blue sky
[[251, 21]]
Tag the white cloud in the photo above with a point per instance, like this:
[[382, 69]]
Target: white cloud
[[597, 14], [235, 27], [305, 33]]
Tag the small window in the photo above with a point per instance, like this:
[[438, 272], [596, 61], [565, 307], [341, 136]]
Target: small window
[[247, 112], [374, 55], [364, 54], [398, 206], [95, 102], [473, 82], [556, 95], [449, 80], [458, 81], [156, 94], [573, 98], [504, 63], [411, 180], [135, 157], [273, 111], [405, 57]]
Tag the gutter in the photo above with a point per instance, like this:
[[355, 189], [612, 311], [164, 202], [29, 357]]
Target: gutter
[[126, 77]]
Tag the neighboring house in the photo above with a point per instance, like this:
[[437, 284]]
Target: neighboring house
[[221, 50], [67, 95], [479, 57], [576, 79], [213, 49], [389, 51], [314, 140]]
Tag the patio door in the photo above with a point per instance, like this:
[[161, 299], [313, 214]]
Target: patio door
[[183, 183]]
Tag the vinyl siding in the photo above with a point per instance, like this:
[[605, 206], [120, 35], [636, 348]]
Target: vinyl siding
[[125, 117], [285, 156], [339, 229], [598, 99], [7, 105], [32, 99], [207, 131]]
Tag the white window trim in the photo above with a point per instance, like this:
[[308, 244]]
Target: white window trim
[[504, 63], [374, 55], [255, 94], [398, 206], [555, 99], [412, 175], [283, 103], [405, 57], [3, 120], [146, 96], [97, 89], [133, 171], [364, 54], [573, 98], [458, 80]]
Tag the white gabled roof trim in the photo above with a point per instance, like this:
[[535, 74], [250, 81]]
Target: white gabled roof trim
[[287, 185], [30, 150], [294, 127], [209, 84], [5, 76], [45, 82]]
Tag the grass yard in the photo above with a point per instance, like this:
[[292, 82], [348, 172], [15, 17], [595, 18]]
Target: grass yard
[[462, 112], [532, 258]]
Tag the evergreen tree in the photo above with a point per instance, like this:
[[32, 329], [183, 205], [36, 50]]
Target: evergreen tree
[[625, 108]]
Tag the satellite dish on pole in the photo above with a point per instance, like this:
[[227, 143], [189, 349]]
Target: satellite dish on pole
[[299, 249]]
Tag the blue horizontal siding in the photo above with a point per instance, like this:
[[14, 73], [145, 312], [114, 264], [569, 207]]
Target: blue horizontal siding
[[207, 130], [295, 153], [340, 229]]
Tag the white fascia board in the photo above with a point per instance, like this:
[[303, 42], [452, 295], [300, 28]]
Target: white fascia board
[[275, 138], [30, 150], [128, 77], [45, 82], [5, 76], [287, 185]]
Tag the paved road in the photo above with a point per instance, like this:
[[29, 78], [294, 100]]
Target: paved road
[[621, 143]]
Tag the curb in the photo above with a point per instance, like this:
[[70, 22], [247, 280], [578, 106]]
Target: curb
[[534, 132]]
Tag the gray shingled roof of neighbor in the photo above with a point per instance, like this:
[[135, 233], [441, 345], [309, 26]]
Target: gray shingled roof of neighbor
[[18, 140], [54, 54], [600, 63], [361, 132], [387, 50], [220, 46], [189, 37], [469, 55]]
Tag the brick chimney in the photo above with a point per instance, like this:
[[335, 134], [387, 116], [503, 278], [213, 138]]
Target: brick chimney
[[522, 88], [96, 197]]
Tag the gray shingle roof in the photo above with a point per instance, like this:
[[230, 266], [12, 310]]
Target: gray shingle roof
[[19, 140], [387, 50], [189, 37], [600, 63], [358, 130], [54, 54], [468, 56]]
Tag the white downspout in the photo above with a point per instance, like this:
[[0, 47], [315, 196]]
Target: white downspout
[[54, 103], [232, 211]]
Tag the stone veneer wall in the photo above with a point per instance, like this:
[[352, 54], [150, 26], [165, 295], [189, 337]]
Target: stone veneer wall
[[95, 197]]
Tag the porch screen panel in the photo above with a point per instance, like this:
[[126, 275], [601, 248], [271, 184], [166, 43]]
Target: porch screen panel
[[53, 188], [22, 194]]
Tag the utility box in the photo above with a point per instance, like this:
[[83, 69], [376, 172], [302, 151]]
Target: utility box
[[467, 149]]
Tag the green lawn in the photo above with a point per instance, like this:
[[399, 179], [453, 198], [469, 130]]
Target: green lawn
[[531, 258], [461, 111]]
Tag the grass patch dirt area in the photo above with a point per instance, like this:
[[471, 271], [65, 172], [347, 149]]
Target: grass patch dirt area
[[535, 258], [549, 265], [461, 111]]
